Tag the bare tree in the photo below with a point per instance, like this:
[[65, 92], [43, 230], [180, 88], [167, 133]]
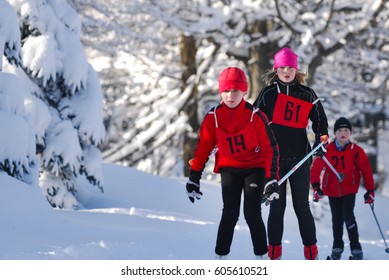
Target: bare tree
[[214, 34]]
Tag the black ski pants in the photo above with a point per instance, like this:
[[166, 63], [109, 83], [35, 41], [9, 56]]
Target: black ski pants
[[299, 186], [233, 183], [342, 210]]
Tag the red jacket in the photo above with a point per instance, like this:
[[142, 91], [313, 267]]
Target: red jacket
[[243, 139], [352, 162]]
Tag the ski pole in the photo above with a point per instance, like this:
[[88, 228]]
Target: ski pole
[[294, 168], [340, 176], [375, 217]]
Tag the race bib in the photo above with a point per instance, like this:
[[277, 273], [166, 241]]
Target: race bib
[[291, 111], [239, 145]]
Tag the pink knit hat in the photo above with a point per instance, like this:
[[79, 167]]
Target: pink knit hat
[[285, 57], [232, 78]]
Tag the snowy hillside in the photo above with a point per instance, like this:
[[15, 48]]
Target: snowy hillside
[[145, 217]]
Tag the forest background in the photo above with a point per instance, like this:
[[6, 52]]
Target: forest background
[[128, 82], [159, 62]]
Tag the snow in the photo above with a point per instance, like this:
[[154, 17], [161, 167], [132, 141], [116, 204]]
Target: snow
[[149, 220], [145, 217]]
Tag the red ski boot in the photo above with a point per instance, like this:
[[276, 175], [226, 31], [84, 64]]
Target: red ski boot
[[274, 252], [311, 252]]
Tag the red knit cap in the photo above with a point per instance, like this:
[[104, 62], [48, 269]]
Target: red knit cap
[[232, 78], [285, 57]]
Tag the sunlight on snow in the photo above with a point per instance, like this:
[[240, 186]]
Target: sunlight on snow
[[150, 214]]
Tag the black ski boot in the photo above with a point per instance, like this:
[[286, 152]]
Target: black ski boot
[[356, 254], [336, 253]]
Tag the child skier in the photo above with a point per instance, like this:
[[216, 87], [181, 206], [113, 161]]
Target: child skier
[[349, 160], [290, 105], [246, 158]]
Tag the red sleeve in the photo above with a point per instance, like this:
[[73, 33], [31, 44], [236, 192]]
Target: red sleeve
[[316, 169], [363, 165], [205, 144], [268, 144]]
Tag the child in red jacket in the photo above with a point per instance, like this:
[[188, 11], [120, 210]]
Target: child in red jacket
[[246, 158], [350, 161]]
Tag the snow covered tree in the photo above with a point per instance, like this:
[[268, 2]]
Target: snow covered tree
[[360, 83], [142, 87], [242, 33], [17, 143], [65, 98]]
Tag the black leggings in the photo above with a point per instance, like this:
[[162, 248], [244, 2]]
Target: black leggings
[[233, 182], [342, 210], [299, 186]]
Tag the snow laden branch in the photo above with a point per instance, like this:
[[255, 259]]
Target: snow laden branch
[[61, 102], [10, 44]]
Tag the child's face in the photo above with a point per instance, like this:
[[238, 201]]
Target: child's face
[[286, 74], [232, 98], [343, 135]]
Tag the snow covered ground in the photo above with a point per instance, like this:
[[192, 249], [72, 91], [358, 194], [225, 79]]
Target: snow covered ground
[[141, 217]]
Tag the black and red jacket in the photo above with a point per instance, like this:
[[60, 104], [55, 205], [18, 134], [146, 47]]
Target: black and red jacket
[[242, 137], [289, 107], [351, 162]]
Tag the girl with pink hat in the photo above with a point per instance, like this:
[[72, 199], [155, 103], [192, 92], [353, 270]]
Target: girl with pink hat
[[289, 106]]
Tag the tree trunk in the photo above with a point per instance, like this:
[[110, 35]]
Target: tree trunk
[[188, 52], [259, 61]]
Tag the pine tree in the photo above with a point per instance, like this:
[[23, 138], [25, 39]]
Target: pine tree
[[69, 127], [20, 163]]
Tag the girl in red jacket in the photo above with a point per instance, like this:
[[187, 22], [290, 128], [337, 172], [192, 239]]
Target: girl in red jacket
[[351, 162], [247, 153]]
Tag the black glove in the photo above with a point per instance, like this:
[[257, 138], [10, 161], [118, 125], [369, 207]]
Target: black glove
[[272, 191], [317, 192], [193, 186], [369, 197]]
